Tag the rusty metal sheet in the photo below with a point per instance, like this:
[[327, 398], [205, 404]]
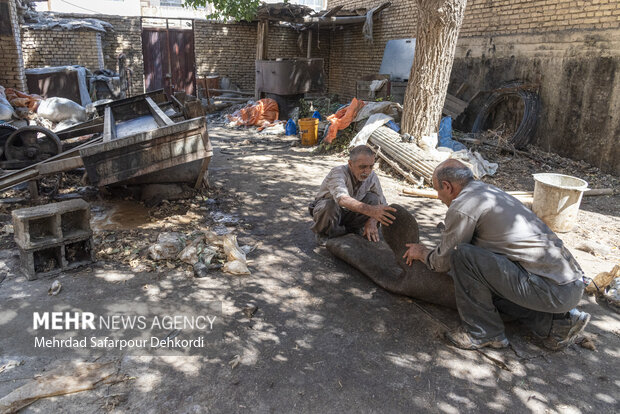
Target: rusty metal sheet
[[147, 152], [290, 76]]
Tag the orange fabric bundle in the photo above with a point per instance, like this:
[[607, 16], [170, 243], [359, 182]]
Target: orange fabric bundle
[[342, 119], [22, 100], [263, 113]]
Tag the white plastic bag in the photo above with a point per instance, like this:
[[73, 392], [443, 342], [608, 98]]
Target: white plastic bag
[[236, 267], [236, 264], [6, 110], [167, 247], [60, 109], [189, 255]]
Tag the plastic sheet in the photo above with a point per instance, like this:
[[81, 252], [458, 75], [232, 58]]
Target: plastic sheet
[[445, 135], [22, 100], [262, 114], [342, 119], [167, 247]]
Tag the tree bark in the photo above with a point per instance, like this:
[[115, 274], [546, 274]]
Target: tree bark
[[439, 22]]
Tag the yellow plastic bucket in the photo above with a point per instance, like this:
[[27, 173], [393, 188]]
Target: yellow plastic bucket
[[556, 200], [309, 131]]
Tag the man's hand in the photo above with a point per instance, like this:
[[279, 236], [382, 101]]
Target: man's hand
[[370, 230], [381, 214], [415, 251]]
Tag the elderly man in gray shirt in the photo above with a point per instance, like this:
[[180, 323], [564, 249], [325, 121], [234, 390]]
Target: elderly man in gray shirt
[[350, 199], [504, 260]]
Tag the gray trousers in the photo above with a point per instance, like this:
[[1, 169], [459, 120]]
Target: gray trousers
[[331, 220], [488, 284]]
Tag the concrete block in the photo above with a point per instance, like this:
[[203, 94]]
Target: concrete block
[[78, 253], [45, 261], [48, 224]]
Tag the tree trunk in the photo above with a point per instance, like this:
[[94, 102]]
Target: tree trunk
[[438, 27]]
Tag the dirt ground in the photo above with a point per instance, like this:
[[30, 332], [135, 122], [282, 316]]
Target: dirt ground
[[323, 338]]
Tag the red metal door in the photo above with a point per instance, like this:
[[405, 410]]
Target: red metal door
[[169, 61]]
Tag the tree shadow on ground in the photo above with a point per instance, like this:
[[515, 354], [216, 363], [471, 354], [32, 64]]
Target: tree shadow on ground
[[324, 337]]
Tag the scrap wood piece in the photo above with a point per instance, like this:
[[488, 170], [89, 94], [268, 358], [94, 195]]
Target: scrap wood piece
[[60, 381], [453, 106]]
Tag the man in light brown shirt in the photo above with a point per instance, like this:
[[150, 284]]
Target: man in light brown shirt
[[504, 260], [350, 199]]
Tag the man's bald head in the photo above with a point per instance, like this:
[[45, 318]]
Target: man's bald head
[[454, 172]]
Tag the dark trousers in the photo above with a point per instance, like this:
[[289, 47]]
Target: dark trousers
[[487, 284], [331, 220]]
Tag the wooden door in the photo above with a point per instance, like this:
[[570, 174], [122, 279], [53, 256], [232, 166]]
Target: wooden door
[[169, 61]]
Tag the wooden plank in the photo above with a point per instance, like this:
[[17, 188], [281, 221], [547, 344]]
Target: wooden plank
[[193, 109], [17, 178], [453, 106], [86, 130], [261, 48], [57, 166], [332, 12], [160, 117], [231, 91], [109, 126], [201, 175]]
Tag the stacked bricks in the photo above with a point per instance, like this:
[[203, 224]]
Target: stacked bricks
[[53, 237], [61, 48], [12, 73]]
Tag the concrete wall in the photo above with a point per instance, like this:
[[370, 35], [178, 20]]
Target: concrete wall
[[570, 48], [11, 59]]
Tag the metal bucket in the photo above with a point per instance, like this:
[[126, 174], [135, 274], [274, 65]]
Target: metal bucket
[[556, 200]]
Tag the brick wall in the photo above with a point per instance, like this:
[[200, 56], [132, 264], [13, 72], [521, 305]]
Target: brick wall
[[223, 49], [230, 49], [89, 48], [352, 57], [126, 38], [226, 50], [43, 48], [11, 58], [571, 48], [500, 17]]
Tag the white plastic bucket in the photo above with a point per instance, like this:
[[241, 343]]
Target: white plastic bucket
[[556, 200]]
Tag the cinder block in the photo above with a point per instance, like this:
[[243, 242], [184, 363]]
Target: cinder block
[[48, 224], [78, 253], [45, 261]]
